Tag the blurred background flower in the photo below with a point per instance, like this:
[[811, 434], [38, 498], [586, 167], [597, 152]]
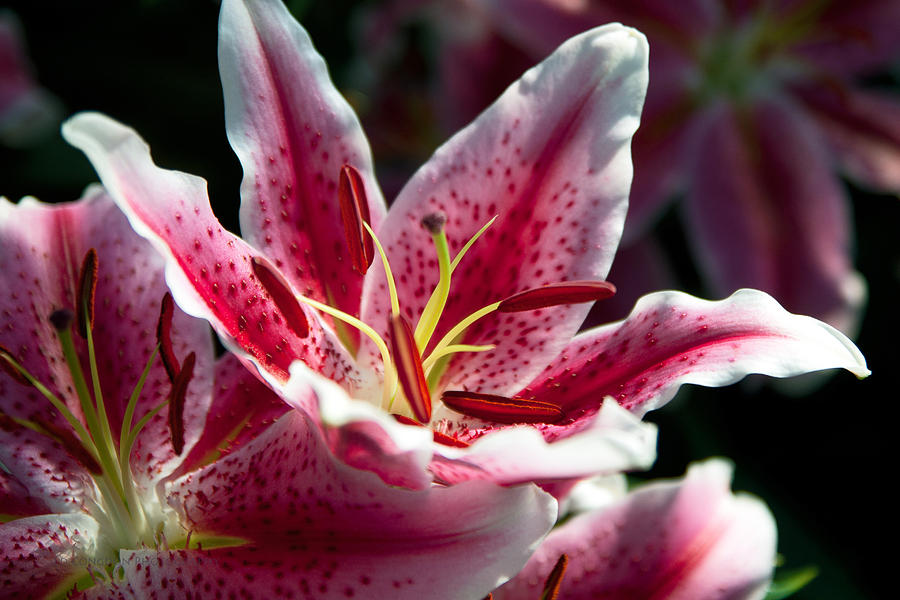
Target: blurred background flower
[[28, 112], [817, 461]]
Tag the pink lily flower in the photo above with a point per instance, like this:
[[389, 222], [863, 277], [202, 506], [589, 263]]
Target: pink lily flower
[[682, 539], [107, 489], [472, 333], [751, 109], [27, 111]]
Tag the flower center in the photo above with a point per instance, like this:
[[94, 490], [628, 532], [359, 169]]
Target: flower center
[[410, 373], [128, 516], [737, 61]]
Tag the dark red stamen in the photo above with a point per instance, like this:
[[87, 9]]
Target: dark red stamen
[[61, 319], [164, 338], [440, 438], [554, 580], [355, 211], [554, 294], [84, 296], [409, 368], [176, 403], [501, 409], [280, 291], [7, 366]]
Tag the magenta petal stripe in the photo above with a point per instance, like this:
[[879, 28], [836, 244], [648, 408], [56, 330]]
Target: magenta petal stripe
[[551, 158], [672, 338], [208, 269], [293, 132]]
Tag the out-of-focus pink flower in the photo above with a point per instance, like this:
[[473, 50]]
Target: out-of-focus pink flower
[[751, 108], [684, 540], [158, 507], [27, 111], [520, 397]]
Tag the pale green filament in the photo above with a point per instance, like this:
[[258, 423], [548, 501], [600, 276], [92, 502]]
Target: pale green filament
[[471, 241], [390, 374], [435, 306], [104, 433], [458, 329], [452, 349], [79, 429], [392, 287]]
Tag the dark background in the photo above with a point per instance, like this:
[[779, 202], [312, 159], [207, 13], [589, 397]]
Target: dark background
[[822, 462]]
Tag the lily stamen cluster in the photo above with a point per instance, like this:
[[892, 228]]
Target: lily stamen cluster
[[119, 507], [407, 365]]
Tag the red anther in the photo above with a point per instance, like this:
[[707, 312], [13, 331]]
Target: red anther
[[280, 291], [554, 579], [61, 319], [176, 403], [84, 295], [554, 294], [72, 444], [164, 338], [355, 211], [7, 366], [409, 368], [440, 438], [501, 409], [449, 440]]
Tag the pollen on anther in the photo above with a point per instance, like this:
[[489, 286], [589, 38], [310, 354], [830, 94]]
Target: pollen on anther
[[280, 292], [87, 289], [164, 338], [354, 212], [555, 294], [409, 368]]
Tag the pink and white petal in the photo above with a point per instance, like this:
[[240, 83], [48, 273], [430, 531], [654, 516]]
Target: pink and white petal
[[293, 132], [551, 158], [44, 263], [863, 129], [672, 338], [766, 212], [242, 406], [359, 433], [335, 526], [610, 440], [17, 500], [208, 268], [41, 554], [43, 472], [688, 539]]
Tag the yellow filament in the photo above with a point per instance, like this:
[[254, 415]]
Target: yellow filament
[[392, 287]]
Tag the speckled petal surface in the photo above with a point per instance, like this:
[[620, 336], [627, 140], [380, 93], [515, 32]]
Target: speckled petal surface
[[347, 533], [40, 268], [551, 158], [41, 474], [37, 554], [609, 441], [292, 131], [684, 540], [241, 407], [785, 228], [208, 268], [672, 338]]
